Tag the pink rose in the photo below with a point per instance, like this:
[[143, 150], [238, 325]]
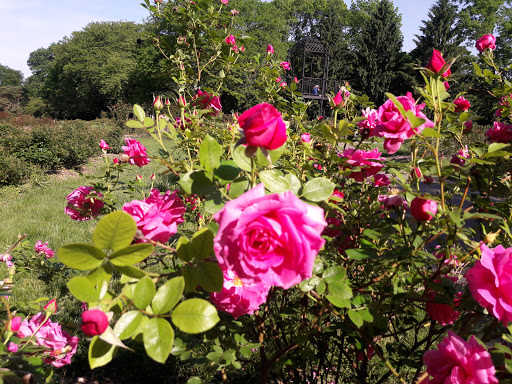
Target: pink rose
[[51, 336], [94, 322], [263, 127], [442, 313], [295, 80], [278, 79], [207, 101], [368, 125], [137, 152], [40, 247], [381, 180], [461, 362], [305, 138], [272, 239], [461, 104], [340, 99], [394, 127], [436, 63], [369, 163], [486, 41], [270, 49], [12, 347], [14, 324], [504, 103], [283, 84], [423, 209], [230, 40], [468, 126], [157, 216], [104, 145], [239, 298], [392, 201], [500, 133], [459, 160], [234, 48], [285, 65], [234, 12], [490, 281], [84, 204], [225, 2]]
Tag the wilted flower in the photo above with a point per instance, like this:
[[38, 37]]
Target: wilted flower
[[84, 203]]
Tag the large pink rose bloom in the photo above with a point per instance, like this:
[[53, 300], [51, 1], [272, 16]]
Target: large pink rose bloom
[[490, 281], [50, 335], [394, 127], [84, 203], [136, 151], [499, 133], [459, 362], [263, 127], [239, 298], [272, 239], [367, 161], [157, 216]]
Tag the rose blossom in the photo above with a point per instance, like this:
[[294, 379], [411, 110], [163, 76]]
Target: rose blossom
[[394, 127], [420, 209], [40, 247], [381, 180], [270, 49], [225, 2], [461, 104], [468, 126], [305, 138], [285, 65], [51, 336], [84, 203], [104, 145], [339, 100], [230, 40], [94, 322], [239, 298], [392, 201], [157, 216], [459, 361], [51, 306], [368, 161], [207, 101], [368, 125], [136, 151], [486, 41], [442, 313], [500, 133], [437, 62], [490, 281], [14, 324], [459, 160], [12, 347], [263, 127], [272, 239], [504, 103]]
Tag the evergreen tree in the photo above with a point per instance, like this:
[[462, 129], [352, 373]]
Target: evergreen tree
[[379, 57]]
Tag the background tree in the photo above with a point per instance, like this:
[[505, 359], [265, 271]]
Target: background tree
[[10, 76], [11, 92]]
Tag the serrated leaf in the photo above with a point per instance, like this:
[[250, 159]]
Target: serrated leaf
[[359, 254], [158, 339], [334, 274], [131, 271], [336, 301], [227, 170], [134, 124], [128, 324], [496, 147], [239, 157], [168, 295], [81, 256], [430, 132], [356, 317], [195, 316], [210, 152], [114, 231], [100, 352], [83, 289], [148, 122], [131, 254], [144, 292], [139, 112], [197, 183], [318, 189], [273, 181], [199, 248], [340, 290], [294, 183], [238, 187]]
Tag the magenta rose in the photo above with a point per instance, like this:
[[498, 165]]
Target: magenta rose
[[272, 239], [368, 162], [381, 180], [442, 313], [423, 209], [436, 63], [104, 145], [459, 160], [394, 127], [459, 361], [230, 40], [270, 49], [94, 322], [263, 127], [499, 133], [468, 126], [84, 203], [490, 281], [137, 152], [461, 104], [285, 65], [368, 125], [392, 201], [239, 298], [305, 138], [157, 216], [60, 344], [486, 41], [14, 324], [206, 101]]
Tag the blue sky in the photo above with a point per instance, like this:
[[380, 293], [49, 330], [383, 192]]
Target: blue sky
[[32, 24]]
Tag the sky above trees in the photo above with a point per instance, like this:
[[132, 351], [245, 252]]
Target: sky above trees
[[38, 24]]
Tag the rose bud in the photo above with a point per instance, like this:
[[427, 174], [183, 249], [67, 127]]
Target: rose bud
[[94, 322], [420, 209], [157, 104], [486, 41], [51, 306], [14, 324]]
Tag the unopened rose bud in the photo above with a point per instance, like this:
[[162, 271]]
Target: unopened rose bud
[[51, 307], [182, 103], [490, 237], [138, 178], [167, 102], [94, 322], [416, 173], [14, 324], [116, 160], [157, 104], [152, 177]]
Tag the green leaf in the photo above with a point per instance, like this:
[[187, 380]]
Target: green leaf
[[340, 290], [214, 203], [397, 103], [318, 189], [81, 256], [497, 146], [158, 339], [197, 183], [334, 274], [209, 154], [209, 276], [139, 112], [199, 248], [100, 352], [238, 187], [114, 231], [83, 289], [195, 316], [132, 254], [356, 317], [194, 380], [227, 170], [336, 301], [274, 182], [274, 155], [144, 292], [239, 157], [168, 295], [131, 271], [148, 122], [294, 183], [189, 274], [134, 124], [430, 132], [497, 154], [359, 254], [128, 324]]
